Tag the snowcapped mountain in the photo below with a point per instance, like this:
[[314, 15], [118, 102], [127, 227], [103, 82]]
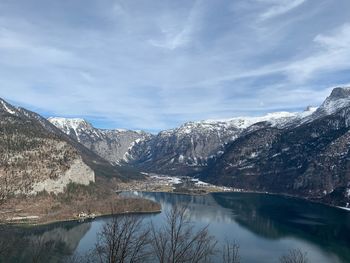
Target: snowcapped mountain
[[299, 153], [109, 144], [191, 146], [73, 127], [338, 99], [310, 159], [274, 119]]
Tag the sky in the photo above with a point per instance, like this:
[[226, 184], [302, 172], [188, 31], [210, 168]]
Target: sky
[[154, 64]]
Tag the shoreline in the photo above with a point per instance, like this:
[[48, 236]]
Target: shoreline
[[46, 223], [83, 205], [315, 201], [24, 223], [98, 217], [166, 185]]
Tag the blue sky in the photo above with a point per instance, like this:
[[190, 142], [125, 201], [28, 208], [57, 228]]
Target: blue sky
[[153, 65]]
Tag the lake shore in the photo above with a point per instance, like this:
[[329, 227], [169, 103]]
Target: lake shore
[[47, 208]]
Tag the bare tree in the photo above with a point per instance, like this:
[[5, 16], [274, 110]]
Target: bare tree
[[4, 193], [4, 189], [124, 239], [80, 258], [176, 241], [230, 253], [294, 256], [5, 244], [40, 248]]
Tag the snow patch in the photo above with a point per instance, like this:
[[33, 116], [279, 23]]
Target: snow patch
[[181, 158], [7, 108], [347, 193]]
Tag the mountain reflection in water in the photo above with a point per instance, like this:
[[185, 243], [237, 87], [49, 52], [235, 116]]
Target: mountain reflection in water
[[271, 223], [49, 243], [264, 226]]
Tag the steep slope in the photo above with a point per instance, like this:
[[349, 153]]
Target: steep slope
[[101, 167], [311, 159], [109, 144], [33, 159], [189, 148], [36, 155]]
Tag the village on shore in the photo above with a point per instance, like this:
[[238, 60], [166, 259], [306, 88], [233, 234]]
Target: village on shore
[[173, 184]]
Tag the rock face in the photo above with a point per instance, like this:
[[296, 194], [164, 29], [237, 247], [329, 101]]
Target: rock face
[[311, 159], [109, 144], [33, 158], [189, 148], [78, 172]]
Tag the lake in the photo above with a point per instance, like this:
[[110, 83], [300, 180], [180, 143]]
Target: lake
[[264, 226]]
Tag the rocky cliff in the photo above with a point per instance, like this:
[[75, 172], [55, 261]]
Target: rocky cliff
[[109, 144], [34, 159]]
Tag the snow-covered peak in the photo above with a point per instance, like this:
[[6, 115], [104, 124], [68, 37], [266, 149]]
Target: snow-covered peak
[[275, 119], [244, 122], [70, 123], [339, 98], [109, 144], [67, 125], [237, 124]]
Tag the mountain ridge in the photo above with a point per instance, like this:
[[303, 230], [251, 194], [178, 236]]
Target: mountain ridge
[[192, 145], [310, 160], [304, 154], [110, 144], [31, 145]]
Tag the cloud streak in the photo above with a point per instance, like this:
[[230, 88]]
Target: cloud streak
[[174, 36], [280, 7]]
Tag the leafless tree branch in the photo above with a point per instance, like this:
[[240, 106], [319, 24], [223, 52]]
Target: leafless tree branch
[[123, 239], [230, 253], [177, 241], [294, 256]]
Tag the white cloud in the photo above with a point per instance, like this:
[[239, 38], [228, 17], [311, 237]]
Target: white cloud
[[174, 37], [340, 38], [28, 50], [332, 53], [280, 7]]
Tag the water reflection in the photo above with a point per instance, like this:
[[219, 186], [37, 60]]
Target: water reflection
[[51, 243], [271, 224], [276, 217], [265, 227]]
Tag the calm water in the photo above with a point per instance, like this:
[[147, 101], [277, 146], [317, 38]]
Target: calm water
[[264, 226]]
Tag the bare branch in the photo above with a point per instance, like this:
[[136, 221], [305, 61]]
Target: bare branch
[[4, 190], [294, 256], [177, 242], [123, 239], [230, 253]]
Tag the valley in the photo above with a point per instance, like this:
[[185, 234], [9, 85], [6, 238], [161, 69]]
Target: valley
[[189, 131], [301, 154]]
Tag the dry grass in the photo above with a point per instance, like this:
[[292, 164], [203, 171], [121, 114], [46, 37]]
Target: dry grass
[[95, 198]]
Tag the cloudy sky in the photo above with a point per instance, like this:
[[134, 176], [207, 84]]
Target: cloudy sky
[[153, 64]]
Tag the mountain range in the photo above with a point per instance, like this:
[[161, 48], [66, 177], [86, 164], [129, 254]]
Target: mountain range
[[37, 156], [300, 153]]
